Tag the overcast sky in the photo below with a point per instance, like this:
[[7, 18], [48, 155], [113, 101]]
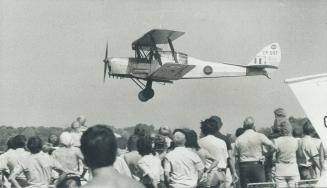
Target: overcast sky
[[51, 56]]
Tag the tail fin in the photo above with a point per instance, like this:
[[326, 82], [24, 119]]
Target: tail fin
[[268, 58]]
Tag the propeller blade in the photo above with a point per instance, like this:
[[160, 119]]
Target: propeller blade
[[106, 57], [105, 71]]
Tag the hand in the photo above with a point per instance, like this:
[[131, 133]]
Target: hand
[[235, 178]]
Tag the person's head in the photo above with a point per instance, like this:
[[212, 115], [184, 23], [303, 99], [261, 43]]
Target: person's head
[[218, 121], [10, 144], [69, 182], [160, 144], [179, 137], [144, 145], [308, 128], [132, 142], [81, 120], [19, 141], [280, 112], [164, 130], [285, 128], [66, 139], [99, 146], [53, 139], [248, 123], [34, 144], [209, 127], [75, 125], [192, 140], [239, 131]]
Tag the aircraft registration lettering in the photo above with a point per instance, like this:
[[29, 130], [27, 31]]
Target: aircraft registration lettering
[[270, 52]]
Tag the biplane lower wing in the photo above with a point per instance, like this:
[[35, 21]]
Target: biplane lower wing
[[171, 71]]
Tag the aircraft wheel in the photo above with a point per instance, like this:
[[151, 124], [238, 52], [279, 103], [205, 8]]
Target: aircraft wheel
[[142, 97], [149, 93]]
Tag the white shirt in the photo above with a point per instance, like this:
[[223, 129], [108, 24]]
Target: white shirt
[[308, 149], [183, 166], [217, 148], [121, 166], [76, 136], [249, 145], [38, 169], [151, 166], [286, 156]]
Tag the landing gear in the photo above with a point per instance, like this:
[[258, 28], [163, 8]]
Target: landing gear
[[147, 93]]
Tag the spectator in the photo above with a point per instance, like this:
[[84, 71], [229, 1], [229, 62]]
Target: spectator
[[231, 175], [53, 143], [287, 173], [99, 147], [133, 156], [18, 156], [182, 167], [67, 155], [308, 155], [207, 159], [37, 168], [321, 151], [166, 132], [160, 146], [249, 151], [149, 165], [82, 122], [218, 149], [76, 133]]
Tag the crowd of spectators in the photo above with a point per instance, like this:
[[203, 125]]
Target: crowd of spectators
[[90, 157]]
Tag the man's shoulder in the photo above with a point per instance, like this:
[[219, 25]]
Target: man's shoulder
[[118, 182]]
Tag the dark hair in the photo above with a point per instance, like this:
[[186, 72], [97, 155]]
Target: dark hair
[[19, 141], [239, 132], [67, 180], [34, 144], [99, 146], [160, 143], [132, 142], [218, 121], [209, 127], [144, 145], [49, 140], [192, 140], [308, 128], [10, 144]]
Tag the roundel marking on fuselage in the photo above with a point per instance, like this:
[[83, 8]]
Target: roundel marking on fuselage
[[207, 70]]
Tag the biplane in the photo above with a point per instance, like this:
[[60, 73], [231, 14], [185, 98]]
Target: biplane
[[153, 64]]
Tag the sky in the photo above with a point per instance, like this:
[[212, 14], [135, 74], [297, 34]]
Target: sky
[[51, 54]]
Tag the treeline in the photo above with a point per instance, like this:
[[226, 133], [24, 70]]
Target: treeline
[[44, 132]]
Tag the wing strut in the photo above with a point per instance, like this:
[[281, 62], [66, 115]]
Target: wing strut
[[156, 53], [172, 50]]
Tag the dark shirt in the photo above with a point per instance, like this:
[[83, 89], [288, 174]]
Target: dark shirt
[[225, 139]]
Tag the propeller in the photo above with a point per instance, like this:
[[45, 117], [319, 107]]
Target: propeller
[[106, 63]]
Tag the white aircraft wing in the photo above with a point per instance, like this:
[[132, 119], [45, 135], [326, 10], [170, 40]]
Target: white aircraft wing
[[171, 71], [311, 92]]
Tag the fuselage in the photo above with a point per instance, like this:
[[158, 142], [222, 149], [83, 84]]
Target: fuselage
[[142, 68]]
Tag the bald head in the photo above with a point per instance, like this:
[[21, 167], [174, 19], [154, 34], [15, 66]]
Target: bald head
[[248, 123], [179, 138]]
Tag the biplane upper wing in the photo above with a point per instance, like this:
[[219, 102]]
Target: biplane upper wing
[[156, 36], [171, 71]]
